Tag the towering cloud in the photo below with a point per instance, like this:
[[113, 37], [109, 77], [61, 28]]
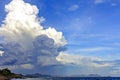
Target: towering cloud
[[24, 40]]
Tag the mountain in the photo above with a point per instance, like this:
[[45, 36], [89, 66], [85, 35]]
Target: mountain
[[36, 75], [90, 75]]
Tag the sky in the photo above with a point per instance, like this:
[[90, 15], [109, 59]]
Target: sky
[[60, 37]]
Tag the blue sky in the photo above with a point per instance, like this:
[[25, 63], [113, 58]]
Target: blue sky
[[91, 28], [86, 24]]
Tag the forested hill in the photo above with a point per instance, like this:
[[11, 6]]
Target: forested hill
[[6, 73]]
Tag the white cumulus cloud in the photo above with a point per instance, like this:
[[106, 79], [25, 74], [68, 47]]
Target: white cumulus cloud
[[1, 53], [24, 36]]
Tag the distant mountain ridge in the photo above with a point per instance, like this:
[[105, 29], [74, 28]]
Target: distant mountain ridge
[[90, 75], [43, 75], [37, 75]]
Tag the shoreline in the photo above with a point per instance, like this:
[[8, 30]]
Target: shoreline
[[4, 78]]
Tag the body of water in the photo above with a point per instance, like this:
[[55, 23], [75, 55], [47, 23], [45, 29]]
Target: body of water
[[33, 79], [74, 78]]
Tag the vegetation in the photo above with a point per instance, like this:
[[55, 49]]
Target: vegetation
[[8, 74]]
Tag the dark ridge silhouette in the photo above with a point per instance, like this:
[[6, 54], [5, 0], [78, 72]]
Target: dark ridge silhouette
[[6, 74]]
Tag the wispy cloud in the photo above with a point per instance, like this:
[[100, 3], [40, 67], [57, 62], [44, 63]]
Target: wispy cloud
[[27, 66], [22, 66], [94, 49], [80, 60], [99, 1], [115, 44], [113, 4], [104, 1], [94, 65], [73, 7]]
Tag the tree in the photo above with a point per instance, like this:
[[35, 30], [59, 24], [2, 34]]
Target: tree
[[6, 72]]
